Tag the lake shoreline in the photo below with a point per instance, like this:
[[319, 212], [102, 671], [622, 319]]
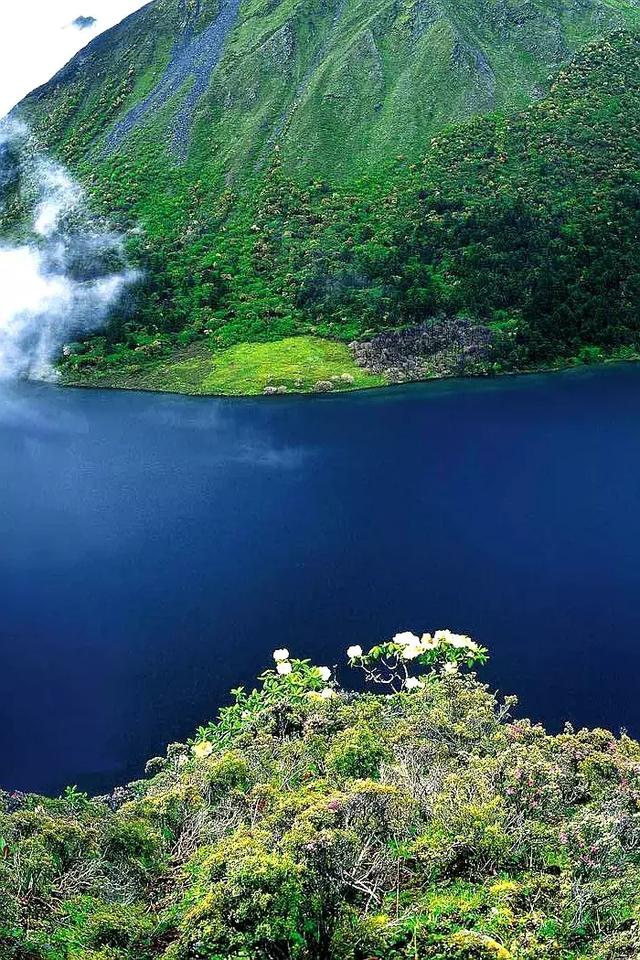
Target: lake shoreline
[[349, 389]]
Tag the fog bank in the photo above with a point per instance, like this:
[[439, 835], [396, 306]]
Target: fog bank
[[63, 270]]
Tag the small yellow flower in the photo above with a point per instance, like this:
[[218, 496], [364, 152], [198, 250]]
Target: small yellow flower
[[202, 749]]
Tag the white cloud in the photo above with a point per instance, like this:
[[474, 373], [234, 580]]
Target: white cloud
[[37, 37], [62, 280]]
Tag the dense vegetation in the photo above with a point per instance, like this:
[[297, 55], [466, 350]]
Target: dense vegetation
[[528, 223], [310, 823], [268, 196]]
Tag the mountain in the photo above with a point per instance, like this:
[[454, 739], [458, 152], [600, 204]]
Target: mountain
[[242, 143]]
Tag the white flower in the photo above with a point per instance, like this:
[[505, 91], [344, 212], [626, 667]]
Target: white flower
[[202, 749], [284, 669], [327, 693], [428, 642], [406, 639], [450, 668], [354, 652], [411, 652], [325, 673], [280, 655], [411, 683], [459, 641], [456, 640]]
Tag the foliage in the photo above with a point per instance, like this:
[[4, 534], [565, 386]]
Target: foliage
[[284, 690], [526, 223], [311, 823]]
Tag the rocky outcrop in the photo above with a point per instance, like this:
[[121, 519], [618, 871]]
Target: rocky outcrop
[[279, 49], [446, 346]]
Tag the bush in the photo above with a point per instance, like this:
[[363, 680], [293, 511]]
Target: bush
[[356, 754], [309, 823]]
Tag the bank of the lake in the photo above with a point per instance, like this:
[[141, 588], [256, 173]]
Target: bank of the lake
[[309, 823], [294, 365]]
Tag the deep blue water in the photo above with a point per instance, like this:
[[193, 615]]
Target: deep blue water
[[154, 550]]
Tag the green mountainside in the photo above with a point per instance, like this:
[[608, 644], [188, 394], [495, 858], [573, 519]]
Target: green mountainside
[[311, 823], [296, 170], [338, 84]]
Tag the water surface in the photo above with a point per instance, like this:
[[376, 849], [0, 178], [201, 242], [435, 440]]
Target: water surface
[[154, 550]]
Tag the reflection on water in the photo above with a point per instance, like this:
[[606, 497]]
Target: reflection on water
[[154, 550]]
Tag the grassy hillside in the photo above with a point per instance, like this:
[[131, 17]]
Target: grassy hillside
[[276, 166], [337, 84], [524, 227], [527, 224], [309, 823]]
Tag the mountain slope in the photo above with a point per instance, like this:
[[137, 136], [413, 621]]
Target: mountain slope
[[528, 224], [337, 83], [252, 151]]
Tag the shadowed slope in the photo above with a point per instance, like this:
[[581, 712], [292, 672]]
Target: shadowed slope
[[193, 60]]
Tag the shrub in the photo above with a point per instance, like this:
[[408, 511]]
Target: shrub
[[356, 754], [309, 823]]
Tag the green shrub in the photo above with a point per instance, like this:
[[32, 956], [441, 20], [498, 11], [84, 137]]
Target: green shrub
[[134, 841], [355, 754], [256, 910]]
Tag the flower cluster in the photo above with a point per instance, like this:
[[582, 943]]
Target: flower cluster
[[202, 749], [293, 682], [389, 662], [286, 687], [305, 673]]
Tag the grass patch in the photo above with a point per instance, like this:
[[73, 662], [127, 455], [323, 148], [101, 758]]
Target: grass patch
[[298, 364]]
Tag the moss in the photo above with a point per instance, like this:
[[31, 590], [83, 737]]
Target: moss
[[296, 364]]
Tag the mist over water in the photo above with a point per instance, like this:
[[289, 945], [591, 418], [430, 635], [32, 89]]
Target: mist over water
[[65, 271]]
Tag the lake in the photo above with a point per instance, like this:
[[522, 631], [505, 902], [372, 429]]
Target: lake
[[155, 549]]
